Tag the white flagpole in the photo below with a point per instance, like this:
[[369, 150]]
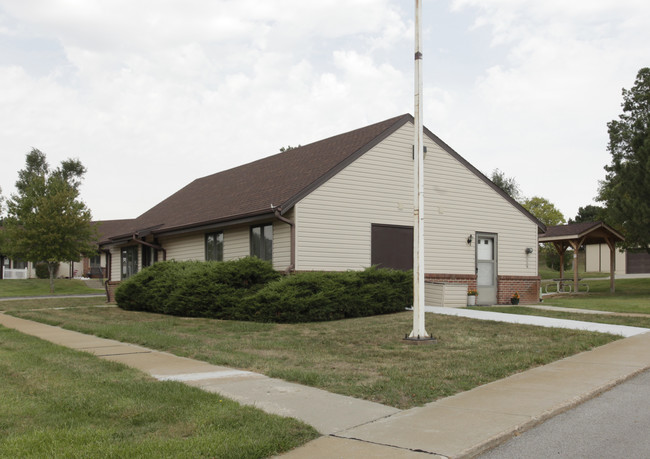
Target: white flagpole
[[419, 331]]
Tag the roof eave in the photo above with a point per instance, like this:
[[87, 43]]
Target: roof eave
[[217, 224], [584, 233]]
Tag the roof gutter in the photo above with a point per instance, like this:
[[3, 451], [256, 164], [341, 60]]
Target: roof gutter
[[278, 214], [109, 268]]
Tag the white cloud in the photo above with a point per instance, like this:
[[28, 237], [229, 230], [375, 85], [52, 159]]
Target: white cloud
[[544, 107], [152, 94], [155, 95]]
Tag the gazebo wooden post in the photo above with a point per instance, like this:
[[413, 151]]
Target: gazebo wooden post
[[560, 248], [576, 244], [612, 265]]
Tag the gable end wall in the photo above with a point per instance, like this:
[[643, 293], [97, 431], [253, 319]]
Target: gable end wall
[[334, 222]]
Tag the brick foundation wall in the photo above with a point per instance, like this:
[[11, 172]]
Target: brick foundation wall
[[526, 286], [111, 286]]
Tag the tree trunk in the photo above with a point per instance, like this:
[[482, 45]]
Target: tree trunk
[[50, 269]]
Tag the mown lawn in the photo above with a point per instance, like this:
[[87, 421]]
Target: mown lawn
[[52, 303], [41, 287], [364, 358], [57, 402], [632, 296], [547, 273]]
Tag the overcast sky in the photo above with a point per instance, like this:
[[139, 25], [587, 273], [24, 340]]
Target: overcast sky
[[151, 94]]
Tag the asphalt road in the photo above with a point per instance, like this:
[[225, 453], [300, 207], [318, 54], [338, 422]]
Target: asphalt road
[[614, 425]]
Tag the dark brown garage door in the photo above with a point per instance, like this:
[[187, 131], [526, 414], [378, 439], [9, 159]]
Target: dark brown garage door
[[637, 262], [392, 246]]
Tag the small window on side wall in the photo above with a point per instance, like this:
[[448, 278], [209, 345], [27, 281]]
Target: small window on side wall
[[262, 242], [149, 256], [214, 246]]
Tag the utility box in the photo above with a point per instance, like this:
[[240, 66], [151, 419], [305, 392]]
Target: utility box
[[445, 295]]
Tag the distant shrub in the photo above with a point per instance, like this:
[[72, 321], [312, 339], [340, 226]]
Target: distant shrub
[[43, 273], [249, 289], [552, 258]]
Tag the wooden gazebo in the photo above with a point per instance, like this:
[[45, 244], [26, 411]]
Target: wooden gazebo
[[577, 234]]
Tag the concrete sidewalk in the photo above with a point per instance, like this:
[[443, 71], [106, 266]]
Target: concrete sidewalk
[[472, 422], [463, 425]]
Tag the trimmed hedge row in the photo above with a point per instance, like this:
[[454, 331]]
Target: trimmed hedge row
[[194, 288], [249, 289]]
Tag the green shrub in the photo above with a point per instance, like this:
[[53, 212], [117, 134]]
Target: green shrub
[[249, 289], [43, 273], [552, 258], [314, 297], [149, 289], [193, 288]]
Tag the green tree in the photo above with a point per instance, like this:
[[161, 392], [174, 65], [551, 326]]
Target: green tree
[[46, 221], [626, 188], [589, 213], [548, 214], [507, 184], [287, 148], [544, 210]]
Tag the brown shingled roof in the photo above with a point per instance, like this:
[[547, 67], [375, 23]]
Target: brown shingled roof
[[592, 231], [250, 190], [109, 228], [280, 180]]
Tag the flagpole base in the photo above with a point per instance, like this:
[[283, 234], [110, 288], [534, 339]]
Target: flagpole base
[[419, 339]]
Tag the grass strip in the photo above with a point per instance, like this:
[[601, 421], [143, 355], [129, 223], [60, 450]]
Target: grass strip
[[643, 322], [52, 303], [364, 358], [57, 402], [41, 287]]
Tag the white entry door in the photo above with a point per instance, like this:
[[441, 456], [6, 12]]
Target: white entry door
[[486, 268]]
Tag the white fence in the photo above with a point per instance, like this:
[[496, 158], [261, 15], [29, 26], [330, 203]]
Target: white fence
[[14, 273]]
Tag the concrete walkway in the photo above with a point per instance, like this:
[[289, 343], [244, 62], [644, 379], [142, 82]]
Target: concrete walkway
[[463, 425], [621, 330], [584, 311]]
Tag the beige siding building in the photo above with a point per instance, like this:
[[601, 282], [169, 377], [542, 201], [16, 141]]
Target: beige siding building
[[346, 203], [597, 259]]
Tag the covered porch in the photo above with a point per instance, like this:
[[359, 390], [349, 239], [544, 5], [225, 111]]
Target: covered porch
[[575, 235]]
